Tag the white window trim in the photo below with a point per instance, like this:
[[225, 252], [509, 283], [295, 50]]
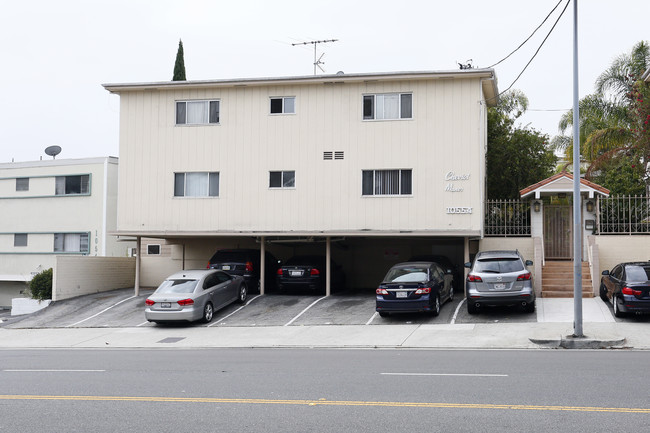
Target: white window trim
[[374, 119], [373, 195], [275, 188], [283, 113], [183, 125], [154, 254], [194, 197]]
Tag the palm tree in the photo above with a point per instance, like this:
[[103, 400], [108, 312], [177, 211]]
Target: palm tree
[[611, 119]]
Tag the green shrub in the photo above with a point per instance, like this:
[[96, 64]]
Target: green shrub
[[41, 285]]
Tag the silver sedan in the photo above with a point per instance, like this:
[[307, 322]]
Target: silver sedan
[[194, 295]]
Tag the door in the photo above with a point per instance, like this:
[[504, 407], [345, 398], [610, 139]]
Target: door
[[558, 238]]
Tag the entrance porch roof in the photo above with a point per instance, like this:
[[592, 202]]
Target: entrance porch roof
[[562, 183]]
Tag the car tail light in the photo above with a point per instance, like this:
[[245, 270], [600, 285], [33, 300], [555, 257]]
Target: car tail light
[[279, 271], [474, 279], [381, 291], [249, 266], [423, 290], [523, 277], [184, 302], [314, 271], [630, 291], [149, 302]]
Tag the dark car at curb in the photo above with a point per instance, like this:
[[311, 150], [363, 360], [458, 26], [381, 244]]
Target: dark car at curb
[[627, 287], [246, 263], [308, 272], [499, 278], [414, 287]]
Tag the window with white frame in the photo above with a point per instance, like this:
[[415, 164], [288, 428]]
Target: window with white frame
[[387, 182], [20, 239], [197, 112], [72, 185], [196, 184], [71, 242], [282, 179], [153, 249], [385, 106], [22, 184], [283, 105]]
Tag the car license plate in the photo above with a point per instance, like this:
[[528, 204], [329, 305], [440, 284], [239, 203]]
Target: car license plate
[[296, 273], [226, 267], [499, 286], [165, 305], [401, 294]]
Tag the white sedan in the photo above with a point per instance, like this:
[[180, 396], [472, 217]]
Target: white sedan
[[194, 295]]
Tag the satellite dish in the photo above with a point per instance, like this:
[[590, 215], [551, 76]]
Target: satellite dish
[[53, 151]]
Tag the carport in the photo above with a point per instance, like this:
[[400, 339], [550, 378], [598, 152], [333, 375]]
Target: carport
[[365, 257]]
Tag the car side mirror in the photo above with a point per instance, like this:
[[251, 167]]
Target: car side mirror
[[468, 265], [605, 272], [529, 263]]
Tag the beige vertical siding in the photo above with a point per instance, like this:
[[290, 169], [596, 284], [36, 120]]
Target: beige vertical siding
[[445, 135]]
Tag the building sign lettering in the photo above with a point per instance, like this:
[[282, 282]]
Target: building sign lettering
[[453, 177], [459, 210]]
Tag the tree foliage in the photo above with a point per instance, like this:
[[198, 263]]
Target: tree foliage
[[517, 156], [41, 285], [614, 123], [179, 66]]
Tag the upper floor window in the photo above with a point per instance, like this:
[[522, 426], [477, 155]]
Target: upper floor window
[[384, 106], [22, 184], [282, 179], [386, 182], [20, 239], [197, 184], [71, 242], [285, 105], [70, 185], [197, 112]]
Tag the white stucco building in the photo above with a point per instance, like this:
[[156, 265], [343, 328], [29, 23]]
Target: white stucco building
[[55, 207]]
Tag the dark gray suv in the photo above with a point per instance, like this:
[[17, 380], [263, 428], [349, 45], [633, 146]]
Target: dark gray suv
[[499, 278]]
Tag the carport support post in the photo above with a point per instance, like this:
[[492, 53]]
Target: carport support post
[[137, 266], [328, 265], [262, 264]]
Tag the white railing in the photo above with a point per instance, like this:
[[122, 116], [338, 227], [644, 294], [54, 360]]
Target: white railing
[[507, 218], [623, 215]]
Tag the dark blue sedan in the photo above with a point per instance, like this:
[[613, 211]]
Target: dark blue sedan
[[627, 287], [414, 287]]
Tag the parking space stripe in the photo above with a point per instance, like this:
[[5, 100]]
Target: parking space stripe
[[453, 319], [101, 312], [372, 318], [225, 317], [303, 311], [446, 374]]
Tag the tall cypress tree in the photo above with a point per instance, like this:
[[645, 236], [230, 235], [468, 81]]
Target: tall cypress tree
[[179, 66]]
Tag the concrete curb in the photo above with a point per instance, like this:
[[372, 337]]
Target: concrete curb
[[571, 342]]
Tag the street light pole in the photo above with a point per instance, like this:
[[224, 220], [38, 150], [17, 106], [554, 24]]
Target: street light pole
[[577, 217]]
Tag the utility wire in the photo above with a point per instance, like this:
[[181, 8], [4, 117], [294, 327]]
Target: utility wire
[[534, 55], [531, 35]]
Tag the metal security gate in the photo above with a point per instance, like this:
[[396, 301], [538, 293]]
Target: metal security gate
[[558, 239]]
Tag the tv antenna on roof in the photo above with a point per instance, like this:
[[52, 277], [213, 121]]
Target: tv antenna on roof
[[53, 151], [317, 61]]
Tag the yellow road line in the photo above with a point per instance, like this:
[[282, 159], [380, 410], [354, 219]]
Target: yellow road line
[[323, 402]]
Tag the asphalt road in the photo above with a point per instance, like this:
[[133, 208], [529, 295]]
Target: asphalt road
[[304, 390]]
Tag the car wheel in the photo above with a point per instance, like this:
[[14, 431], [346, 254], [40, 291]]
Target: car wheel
[[471, 308], [436, 306], [208, 312], [451, 292], [383, 313], [530, 307], [617, 312], [243, 294], [603, 293]]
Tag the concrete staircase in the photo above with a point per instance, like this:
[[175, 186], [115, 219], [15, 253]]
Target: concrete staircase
[[557, 280]]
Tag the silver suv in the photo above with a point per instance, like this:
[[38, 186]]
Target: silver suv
[[499, 278]]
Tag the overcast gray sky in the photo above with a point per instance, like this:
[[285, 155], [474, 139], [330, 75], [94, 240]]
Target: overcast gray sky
[[56, 54]]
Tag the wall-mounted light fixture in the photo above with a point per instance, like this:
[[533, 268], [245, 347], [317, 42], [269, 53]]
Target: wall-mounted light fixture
[[590, 206], [537, 205]]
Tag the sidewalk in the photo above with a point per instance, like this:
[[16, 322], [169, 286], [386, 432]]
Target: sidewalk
[[555, 317]]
